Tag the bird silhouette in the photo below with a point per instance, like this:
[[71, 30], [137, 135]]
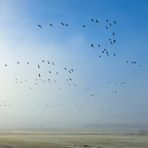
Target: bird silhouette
[[99, 45], [66, 25], [114, 22], [40, 26], [62, 23], [113, 33], [92, 45], [51, 25], [52, 63]]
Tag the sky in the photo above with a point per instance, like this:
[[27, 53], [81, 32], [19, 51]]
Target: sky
[[95, 95]]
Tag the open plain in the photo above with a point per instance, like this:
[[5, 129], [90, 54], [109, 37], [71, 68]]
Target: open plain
[[63, 139]]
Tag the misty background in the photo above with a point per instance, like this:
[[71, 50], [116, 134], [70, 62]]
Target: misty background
[[57, 105]]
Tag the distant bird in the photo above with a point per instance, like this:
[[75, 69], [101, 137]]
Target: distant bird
[[114, 54], [49, 71], [72, 70], [6, 65], [39, 75], [38, 66], [52, 63], [67, 25], [106, 27], [75, 85], [113, 33], [99, 45], [64, 68], [51, 25], [62, 23], [99, 56], [114, 22], [40, 26], [107, 20], [27, 63], [48, 62], [92, 45], [83, 26], [43, 61], [114, 41], [92, 20], [97, 21], [18, 62]]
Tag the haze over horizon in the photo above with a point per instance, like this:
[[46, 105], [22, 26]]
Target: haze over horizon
[[87, 86]]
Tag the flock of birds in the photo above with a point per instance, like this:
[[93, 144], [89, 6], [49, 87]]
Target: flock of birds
[[52, 74], [112, 39], [40, 78], [5, 102]]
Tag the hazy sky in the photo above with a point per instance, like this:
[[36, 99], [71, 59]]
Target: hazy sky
[[56, 104]]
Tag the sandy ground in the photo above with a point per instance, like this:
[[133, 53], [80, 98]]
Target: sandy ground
[[71, 140]]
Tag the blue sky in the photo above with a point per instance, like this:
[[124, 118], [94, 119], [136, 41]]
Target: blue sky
[[47, 105]]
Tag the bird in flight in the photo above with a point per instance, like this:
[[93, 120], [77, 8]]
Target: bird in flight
[[83, 26], [67, 25], [92, 45], [62, 23], [51, 25], [40, 26]]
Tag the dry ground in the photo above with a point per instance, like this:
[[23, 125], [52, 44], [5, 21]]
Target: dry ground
[[71, 140]]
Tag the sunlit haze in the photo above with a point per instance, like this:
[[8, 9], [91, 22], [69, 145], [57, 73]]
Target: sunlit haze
[[73, 63]]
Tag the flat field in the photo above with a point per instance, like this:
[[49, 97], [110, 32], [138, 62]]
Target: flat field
[[71, 140]]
